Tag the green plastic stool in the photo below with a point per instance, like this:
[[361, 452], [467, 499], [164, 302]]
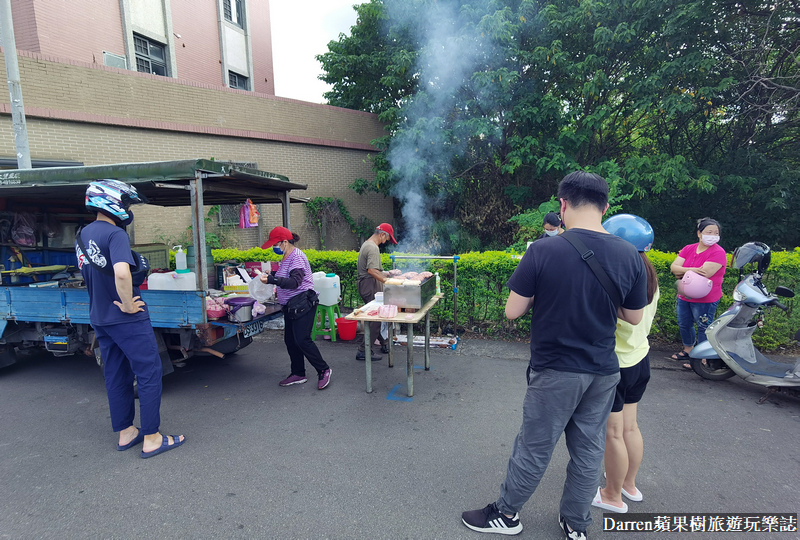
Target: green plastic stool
[[323, 312]]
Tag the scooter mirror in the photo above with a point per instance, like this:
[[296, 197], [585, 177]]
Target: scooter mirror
[[785, 292]]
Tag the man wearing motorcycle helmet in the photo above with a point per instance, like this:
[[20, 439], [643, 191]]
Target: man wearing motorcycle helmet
[[120, 318]]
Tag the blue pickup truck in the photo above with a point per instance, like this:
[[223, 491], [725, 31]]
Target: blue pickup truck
[[46, 306]]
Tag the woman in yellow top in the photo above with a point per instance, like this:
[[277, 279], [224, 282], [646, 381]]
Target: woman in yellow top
[[624, 444]]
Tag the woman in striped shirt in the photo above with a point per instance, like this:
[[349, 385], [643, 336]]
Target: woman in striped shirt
[[295, 291]]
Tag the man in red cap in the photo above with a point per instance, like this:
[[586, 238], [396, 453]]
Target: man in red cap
[[370, 280]]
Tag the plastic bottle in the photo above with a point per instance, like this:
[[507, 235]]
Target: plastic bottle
[[180, 260], [438, 284]]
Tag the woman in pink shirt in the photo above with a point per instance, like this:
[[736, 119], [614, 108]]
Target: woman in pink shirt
[[708, 259]]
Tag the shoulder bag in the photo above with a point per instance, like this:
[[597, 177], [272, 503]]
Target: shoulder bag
[[300, 304], [588, 256]]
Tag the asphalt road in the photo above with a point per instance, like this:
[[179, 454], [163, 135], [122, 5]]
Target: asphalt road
[[268, 462]]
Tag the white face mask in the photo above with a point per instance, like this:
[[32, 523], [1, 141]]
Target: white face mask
[[709, 239], [551, 233]]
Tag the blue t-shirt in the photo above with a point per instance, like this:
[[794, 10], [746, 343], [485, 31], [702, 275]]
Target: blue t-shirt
[[106, 244], [573, 318]]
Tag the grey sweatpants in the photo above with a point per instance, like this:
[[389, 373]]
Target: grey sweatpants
[[578, 405]]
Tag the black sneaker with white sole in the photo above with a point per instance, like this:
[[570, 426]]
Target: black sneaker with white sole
[[491, 520], [571, 535]]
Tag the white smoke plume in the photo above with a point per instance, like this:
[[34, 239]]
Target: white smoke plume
[[422, 149]]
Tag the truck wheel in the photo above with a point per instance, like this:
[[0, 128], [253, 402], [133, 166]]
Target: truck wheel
[[8, 355], [232, 344], [98, 358], [101, 364]]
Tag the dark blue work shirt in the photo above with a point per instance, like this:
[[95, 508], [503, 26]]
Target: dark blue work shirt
[[106, 244]]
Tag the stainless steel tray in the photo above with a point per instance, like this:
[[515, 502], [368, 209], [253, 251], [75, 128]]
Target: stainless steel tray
[[409, 296]]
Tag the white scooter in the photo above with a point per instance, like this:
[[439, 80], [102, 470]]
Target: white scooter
[[729, 350]]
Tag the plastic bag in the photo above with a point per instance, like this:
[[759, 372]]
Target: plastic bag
[[5, 231], [253, 213], [51, 226], [247, 213], [259, 309], [22, 231], [243, 221]]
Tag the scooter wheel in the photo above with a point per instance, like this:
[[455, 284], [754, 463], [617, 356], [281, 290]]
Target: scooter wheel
[[709, 371]]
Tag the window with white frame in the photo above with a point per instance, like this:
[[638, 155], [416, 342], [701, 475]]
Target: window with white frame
[[238, 81], [233, 11], [151, 56]]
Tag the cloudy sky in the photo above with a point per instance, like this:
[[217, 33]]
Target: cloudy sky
[[301, 29]]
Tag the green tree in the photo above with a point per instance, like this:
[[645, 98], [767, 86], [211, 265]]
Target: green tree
[[689, 108]]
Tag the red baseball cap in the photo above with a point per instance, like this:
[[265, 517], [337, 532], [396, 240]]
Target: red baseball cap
[[278, 234], [385, 227]]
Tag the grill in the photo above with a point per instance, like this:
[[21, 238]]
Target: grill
[[409, 296]]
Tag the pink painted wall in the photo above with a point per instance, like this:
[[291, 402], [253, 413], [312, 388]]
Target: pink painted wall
[[261, 40], [80, 30], [75, 29], [197, 50], [25, 33]]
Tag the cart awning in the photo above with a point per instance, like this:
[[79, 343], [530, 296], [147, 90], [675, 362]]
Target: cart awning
[[160, 181]]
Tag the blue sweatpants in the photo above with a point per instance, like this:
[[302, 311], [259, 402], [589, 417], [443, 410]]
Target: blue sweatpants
[[130, 349], [556, 402]]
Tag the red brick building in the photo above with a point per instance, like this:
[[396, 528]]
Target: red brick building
[[148, 80]]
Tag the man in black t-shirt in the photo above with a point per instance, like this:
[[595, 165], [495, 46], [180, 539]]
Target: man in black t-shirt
[[573, 370]]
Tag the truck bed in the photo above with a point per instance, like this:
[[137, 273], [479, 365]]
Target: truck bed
[[168, 309]]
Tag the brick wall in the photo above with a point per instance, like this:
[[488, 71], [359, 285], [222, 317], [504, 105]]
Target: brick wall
[[197, 50], [26, 33], [95, 114], [261, 45], [77, 29], [326, 170], [95, 93]]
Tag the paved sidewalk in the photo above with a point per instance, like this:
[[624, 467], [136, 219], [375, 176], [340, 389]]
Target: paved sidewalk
[[268, 462]]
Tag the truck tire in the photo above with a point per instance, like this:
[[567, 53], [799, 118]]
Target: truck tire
[[98, 358], [232, 344], [8, 355]]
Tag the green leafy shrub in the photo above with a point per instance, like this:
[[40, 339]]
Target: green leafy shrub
[[478, 280]]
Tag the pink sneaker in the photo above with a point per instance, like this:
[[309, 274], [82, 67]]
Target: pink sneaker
[[324, 379], [292, 379]]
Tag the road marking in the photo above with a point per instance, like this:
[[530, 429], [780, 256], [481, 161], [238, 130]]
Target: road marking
[[394, 397]]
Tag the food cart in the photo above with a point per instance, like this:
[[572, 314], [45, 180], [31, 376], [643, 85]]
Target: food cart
[[46, 306]]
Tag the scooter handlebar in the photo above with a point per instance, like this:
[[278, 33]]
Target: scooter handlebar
[[774, 302]]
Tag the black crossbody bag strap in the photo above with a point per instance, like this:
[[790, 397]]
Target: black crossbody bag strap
[[86, 254], [588, 256]]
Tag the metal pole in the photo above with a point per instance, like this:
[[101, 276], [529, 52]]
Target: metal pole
[[428, 340], [455, 295], [285, 206], [199, 230], [455, 280], [368, 356], [410, 360], [14, 87]]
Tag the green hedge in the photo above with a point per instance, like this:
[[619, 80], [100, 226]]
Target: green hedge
[[481, 279]]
